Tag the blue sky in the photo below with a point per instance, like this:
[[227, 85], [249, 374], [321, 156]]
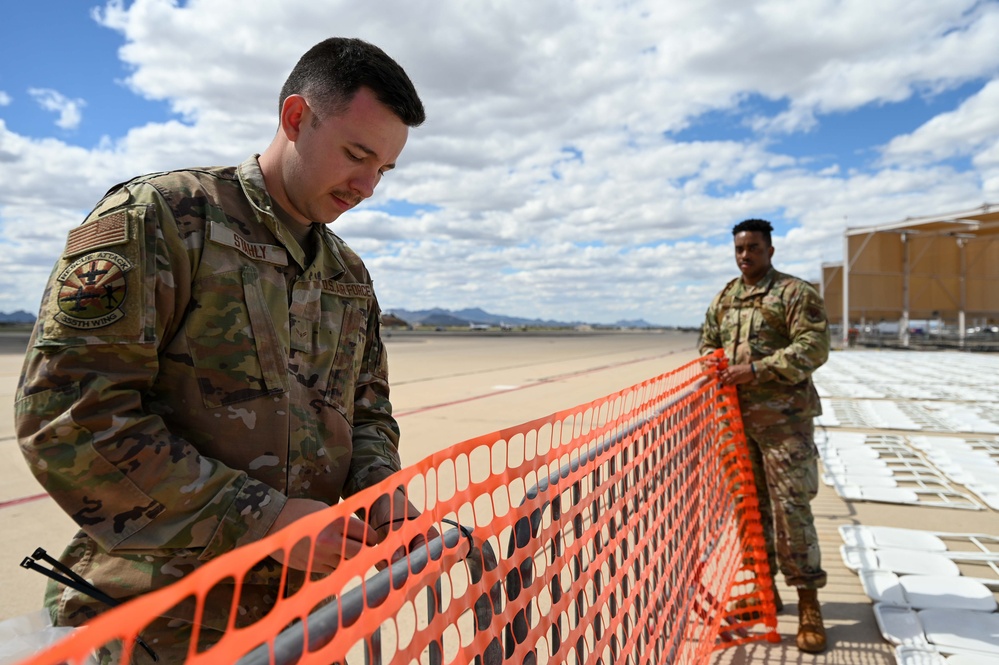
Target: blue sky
[[848, 138], [57, 45], [583, 159]]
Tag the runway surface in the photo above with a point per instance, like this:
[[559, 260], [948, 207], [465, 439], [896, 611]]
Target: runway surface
[[447, 388]]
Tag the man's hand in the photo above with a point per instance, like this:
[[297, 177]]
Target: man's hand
[[388, 514], [401, 549], [710, 363], [341, 539], [734, 375]]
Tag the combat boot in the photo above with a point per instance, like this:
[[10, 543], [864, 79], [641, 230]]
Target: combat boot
[[811, 632]]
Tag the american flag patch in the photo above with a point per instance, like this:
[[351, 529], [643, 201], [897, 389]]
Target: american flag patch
[[103, 232]]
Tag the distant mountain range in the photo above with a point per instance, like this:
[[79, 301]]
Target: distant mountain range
[[436, 317], [20, 316], [475, 316]]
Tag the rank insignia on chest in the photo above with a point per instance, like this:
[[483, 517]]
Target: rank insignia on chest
[[92, 290]]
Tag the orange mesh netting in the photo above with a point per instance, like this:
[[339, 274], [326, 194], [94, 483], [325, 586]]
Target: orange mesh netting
[[625, 530]]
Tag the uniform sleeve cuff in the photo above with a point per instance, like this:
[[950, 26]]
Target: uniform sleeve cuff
[[761, 373], [249, 518]]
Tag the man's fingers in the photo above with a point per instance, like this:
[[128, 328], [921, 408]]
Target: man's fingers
[[342, 540], [360, 531], [345, 538]]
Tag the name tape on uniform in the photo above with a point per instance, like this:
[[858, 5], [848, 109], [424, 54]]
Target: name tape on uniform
[[255, 250]]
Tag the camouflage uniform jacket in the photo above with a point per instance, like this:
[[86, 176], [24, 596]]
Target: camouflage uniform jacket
[[779, 325], [188, 372]]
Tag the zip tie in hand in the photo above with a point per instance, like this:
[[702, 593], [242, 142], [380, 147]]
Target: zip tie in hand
[[70, 578]]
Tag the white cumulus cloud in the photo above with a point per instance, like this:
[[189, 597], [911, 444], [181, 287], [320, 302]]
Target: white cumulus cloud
[[970, 128], [555, 177], [70, 111]]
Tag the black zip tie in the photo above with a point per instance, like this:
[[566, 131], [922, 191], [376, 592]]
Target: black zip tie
[[464, 530], [395, 521], [70, 578]]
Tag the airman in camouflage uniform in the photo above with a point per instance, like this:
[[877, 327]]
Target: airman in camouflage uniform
[[774, 332], [207, 364]]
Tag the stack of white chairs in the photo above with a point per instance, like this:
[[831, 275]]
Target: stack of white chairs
[[973, 463], [885, 468], [924, 605]]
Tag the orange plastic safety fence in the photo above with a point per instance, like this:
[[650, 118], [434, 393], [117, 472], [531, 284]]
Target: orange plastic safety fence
[[621, 531]]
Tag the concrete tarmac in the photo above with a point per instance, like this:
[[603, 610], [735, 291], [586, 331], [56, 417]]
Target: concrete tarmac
[[447, 388]]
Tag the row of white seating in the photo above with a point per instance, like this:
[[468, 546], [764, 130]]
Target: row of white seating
[[933, 593], [924, 605], [886, 468]]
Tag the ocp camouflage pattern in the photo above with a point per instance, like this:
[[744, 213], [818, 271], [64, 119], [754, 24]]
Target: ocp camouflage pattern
[[784, 456], [191, 369], [779, 325]]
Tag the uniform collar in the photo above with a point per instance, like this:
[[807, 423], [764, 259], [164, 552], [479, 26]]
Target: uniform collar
[[328, 264], [763, 285]]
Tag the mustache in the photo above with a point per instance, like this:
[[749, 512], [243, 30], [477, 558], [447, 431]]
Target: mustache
[[349, 197]]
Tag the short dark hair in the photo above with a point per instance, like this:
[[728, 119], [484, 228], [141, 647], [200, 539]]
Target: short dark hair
[[331, 72], [758, 225]]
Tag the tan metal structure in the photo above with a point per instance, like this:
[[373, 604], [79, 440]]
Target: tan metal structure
[[831, 288], [943, 267]]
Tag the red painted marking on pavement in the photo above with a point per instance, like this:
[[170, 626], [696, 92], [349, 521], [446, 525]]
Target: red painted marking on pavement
[[541, 382], [23, 499], [28, 499]]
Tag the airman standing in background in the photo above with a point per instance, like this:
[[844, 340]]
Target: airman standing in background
[[774, 332]]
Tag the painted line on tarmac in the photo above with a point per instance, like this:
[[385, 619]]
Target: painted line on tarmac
[[499, 390], [24, 499], [540, 382]]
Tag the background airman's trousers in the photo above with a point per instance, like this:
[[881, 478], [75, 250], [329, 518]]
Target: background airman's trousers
[[785, 467]]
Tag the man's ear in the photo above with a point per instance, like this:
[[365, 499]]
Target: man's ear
[[293, 114]]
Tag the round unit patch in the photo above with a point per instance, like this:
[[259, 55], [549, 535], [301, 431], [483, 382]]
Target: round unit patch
[[92, 290]]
